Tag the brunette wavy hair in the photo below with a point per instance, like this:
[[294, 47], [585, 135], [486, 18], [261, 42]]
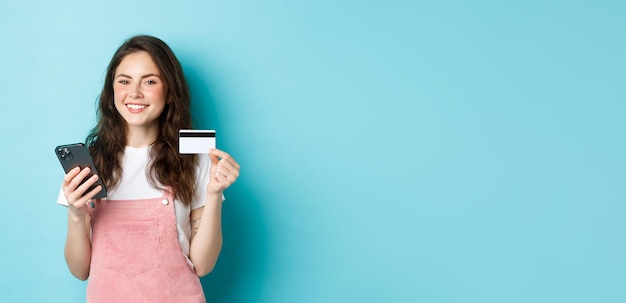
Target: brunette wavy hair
[[107, 140]]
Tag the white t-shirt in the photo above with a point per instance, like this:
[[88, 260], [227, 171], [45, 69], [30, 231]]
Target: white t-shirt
[[134, 185]]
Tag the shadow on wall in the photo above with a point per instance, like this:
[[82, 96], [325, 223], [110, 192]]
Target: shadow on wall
[[238, 274], [203, 104]]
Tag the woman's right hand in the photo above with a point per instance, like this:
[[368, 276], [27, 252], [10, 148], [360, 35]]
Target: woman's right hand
[[76, 193]]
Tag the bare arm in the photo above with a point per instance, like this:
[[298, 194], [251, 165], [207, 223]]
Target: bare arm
[[78, 247], [206, 235], [206, 221], [78, 242]]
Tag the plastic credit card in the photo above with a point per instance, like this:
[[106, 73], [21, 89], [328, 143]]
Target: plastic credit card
[[193, 141]]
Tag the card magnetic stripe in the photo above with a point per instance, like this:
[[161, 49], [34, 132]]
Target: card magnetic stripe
[[197, 135]]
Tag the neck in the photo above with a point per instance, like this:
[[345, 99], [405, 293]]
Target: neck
[[141, 136]]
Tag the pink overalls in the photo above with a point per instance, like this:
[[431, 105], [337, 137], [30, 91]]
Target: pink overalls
[[136, 256]]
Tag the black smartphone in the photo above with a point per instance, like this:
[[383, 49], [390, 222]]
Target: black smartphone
[[73, 155]]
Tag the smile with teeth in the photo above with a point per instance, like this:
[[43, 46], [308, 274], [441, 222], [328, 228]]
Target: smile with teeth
[[136, 106]]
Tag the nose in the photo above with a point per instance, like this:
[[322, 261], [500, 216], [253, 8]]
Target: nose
[[135, 92]]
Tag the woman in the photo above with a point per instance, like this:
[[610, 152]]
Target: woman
[[159, 228]]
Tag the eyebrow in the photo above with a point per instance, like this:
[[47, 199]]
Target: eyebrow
[[142, 77]]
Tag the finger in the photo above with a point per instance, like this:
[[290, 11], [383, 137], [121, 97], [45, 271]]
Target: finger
[[231, 162], [70, 189], [70, 175], [224, 156], [75, 182], [228, 179], [220, 153], [84, 200], [92, 193], [224, 175], [231, 165], [82, 189], [229, 172], [224, 167], [218, 177], [214, 159], [85, 197], [225, 159], [88, 200]]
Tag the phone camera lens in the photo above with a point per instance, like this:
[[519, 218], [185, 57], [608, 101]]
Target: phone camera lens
[[64, 153]]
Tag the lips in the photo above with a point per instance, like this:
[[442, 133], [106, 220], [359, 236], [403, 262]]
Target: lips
[[136, 108]]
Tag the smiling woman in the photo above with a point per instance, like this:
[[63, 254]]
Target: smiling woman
[[139, 93], [400, 151], [160, 203]]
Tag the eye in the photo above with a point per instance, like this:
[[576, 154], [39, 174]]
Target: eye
[[124, 82], [151, 82]]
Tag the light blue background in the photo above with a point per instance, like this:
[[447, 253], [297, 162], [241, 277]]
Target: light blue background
[[392, 151]]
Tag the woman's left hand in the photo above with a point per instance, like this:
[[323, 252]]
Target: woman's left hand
[[224, 171]]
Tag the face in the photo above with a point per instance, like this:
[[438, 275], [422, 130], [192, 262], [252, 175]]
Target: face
[[139, 91]]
